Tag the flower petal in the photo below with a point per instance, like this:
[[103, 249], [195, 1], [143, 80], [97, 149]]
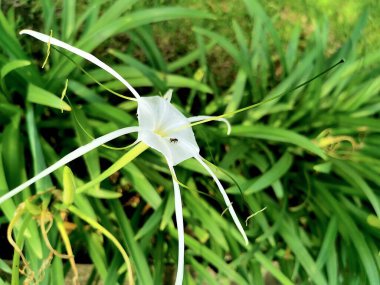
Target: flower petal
[[69, 157], [156, 117], [180, 228], [225, 197], [81, 53], [168, 95], [201, 118], [157, 143], [156, 113]]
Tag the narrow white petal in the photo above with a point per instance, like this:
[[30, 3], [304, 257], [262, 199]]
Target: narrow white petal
[[201, 118], [168, 95], [69, 157], [225, 197], [81, 53], [180, 228]]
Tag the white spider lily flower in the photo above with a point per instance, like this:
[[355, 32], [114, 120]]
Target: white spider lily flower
[[162, 127], [165, 129]]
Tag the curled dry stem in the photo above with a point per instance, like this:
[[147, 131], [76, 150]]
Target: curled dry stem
[[26, 270], [45, 264], [45, 215]]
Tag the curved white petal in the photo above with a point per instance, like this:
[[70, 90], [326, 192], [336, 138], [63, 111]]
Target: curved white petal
[[157, 143], [69, 157], [225, 197], [81, 53], [201, 118], [180, 228]]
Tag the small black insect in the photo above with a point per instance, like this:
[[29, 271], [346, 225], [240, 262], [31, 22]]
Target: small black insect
[[173, 140]]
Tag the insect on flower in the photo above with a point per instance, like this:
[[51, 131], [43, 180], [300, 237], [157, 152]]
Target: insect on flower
[[160, 126]]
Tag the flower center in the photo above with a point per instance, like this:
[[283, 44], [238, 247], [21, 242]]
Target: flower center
[[160, 133]]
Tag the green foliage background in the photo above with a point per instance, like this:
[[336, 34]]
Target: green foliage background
[[311, 157]]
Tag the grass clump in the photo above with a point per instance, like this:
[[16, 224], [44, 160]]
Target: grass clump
[[310, 158]]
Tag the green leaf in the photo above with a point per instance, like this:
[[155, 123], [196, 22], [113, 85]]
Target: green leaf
[[373, 221], [5, 267], [323, 167], [128, 239], [118, 164], [68, 19], [292, 238], [328, 242], [279, 169], [222, 41], [8, 207], [104, 194], [168, 211], [143, 186], [203, 272], [36, 150], [68, 186], [210, 256], [152, 223], [13, 65], [132, 20], [355, 234], [12, 153], [268, 265], [85, 135], [97, 253], [41, 96], [57, 271], [112, 270], [238, 89], [351, 176], [279, 135], [200, 211]]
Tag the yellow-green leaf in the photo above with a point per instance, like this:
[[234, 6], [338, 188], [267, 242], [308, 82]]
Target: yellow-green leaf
[[41, 96], [12, 65], [373, 221], [68, 186]]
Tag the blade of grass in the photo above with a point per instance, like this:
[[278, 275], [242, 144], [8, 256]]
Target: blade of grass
[[357, 239], [128, 239], [279, 169], [41, 96], [268, 265], [208, 255], [278, 135], [122, 24], [351, 176], [35, 147], [85, 135], [106, 233], [68, 19]]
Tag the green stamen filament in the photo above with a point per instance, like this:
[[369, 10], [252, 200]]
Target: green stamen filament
[[64, 94], [48, 50], [226, 115], [254, 214], [94, 79]]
